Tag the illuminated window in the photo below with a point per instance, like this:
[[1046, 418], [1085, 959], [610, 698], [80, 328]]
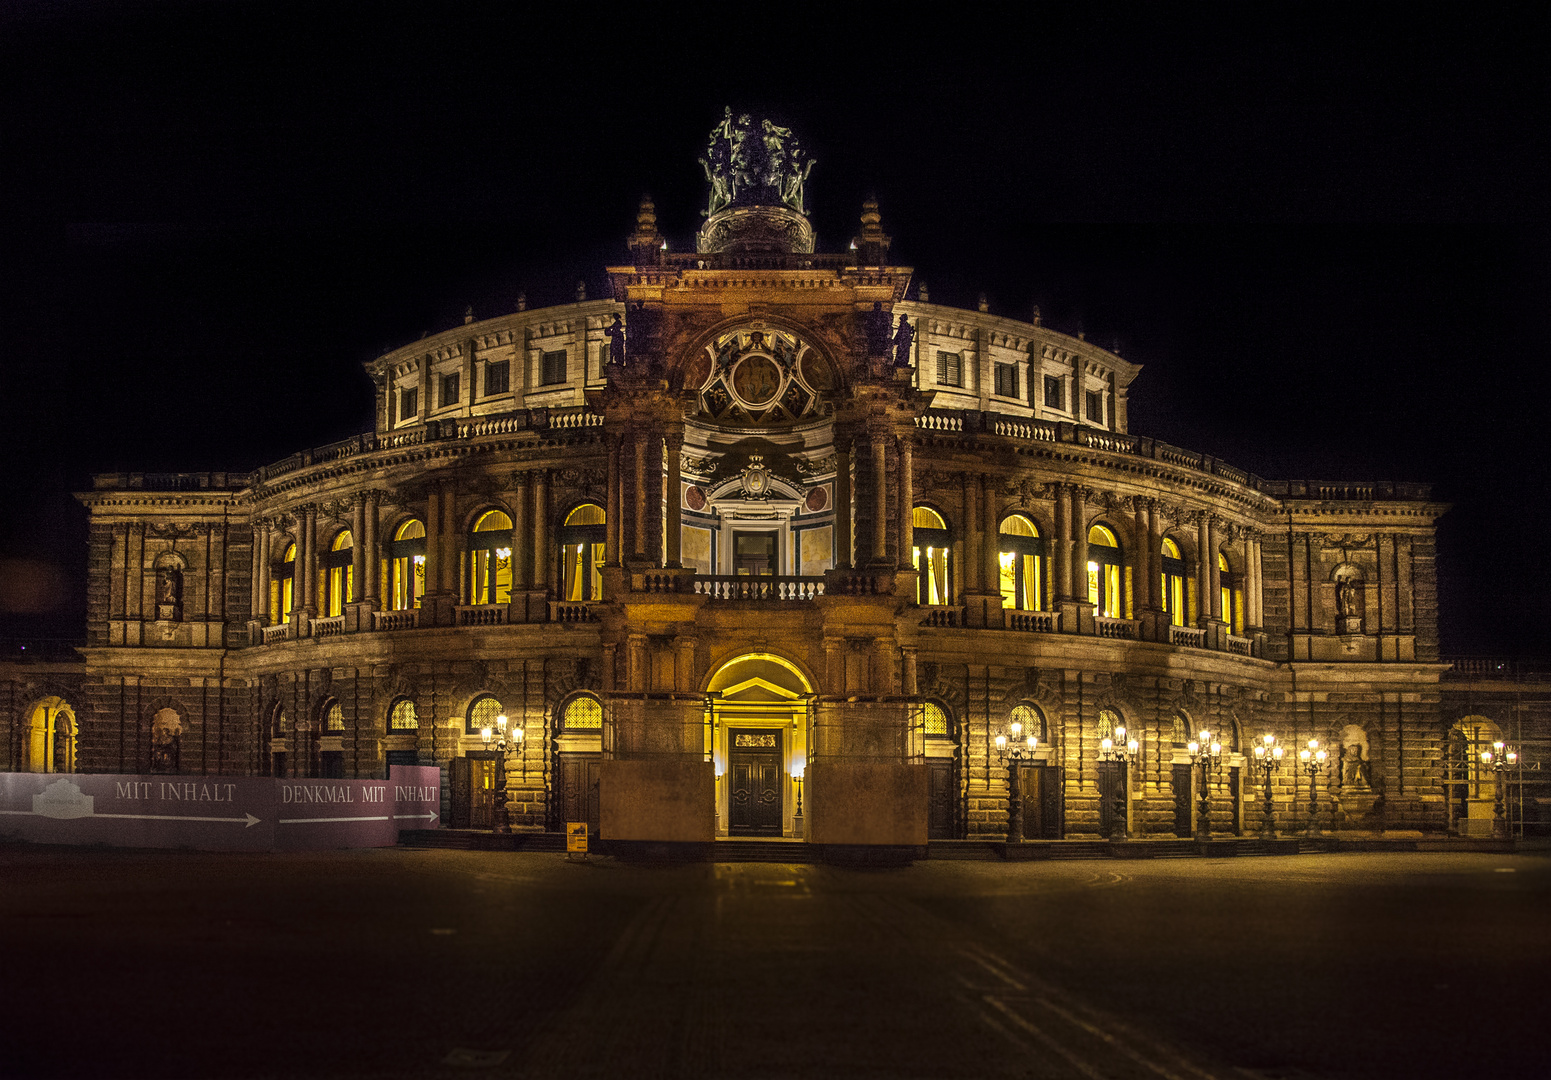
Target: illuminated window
[[497, 377], [1173, 582], [582, 713], [1232, 596], [402, 717], [406, 555], [950, 369], [1006, 376], [1054, 398], [1109, 720], [1031, 720], [1022, 564], [1096, 406], [490, 559], [286, 580], [552, 368], [1179, 735], [582, 552], [451, 388], [334, 717], [409, 404], [338, 574], [1104, 577], [935, 721], [482, 714], [931, 556]]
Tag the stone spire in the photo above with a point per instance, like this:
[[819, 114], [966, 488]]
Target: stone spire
[[646, 242], [872, 246]]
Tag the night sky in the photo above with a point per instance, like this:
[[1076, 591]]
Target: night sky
[[1324, 234]]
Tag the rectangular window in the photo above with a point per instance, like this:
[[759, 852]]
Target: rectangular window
[[497, 377], [1054, 399], [409, 404], [1096, 406], [552, 369], [950, 369], [450, 389], [1007, 380]]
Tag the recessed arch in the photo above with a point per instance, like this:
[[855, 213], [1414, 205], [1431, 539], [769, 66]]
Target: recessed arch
[[49, 738]]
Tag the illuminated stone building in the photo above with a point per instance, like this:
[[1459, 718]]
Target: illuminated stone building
[[763, 522]]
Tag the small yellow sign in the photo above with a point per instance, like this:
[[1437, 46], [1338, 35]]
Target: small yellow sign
[[576, 837]]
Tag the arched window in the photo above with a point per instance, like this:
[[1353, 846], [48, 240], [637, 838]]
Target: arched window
[[334, 717], [1232, 596], [406, 552], [1173, 582], [490, 559], [582, 542], [50, 740], [931, 556], [934, 721], [339, 575], [1104, 573], [482, 714], [1179, 736], [1023, 564], [582, 713], [1109, 723], [286, 579], [402, 717], [1032, 718]]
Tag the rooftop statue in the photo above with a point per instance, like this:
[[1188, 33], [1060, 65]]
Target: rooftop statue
[[754, 165]]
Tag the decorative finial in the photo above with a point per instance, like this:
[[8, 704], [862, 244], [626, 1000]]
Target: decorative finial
[[872, 246], [468, 314], [926, 297], [1036, 314], [522, 301], [646, 243], [581, 291], [984, 304]]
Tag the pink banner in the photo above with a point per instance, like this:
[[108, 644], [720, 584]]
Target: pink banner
[[218, 813]]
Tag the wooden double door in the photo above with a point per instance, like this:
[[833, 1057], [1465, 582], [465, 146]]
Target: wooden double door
[[473, 790], [576, 795], [754, 772]]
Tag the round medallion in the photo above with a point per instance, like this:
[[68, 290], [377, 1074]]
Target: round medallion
[[756, 380], [694, 498], [817, 500]]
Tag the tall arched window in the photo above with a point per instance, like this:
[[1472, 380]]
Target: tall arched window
[[1179, 731], [1232, 596], [406, 552], [582, 713], [334, 717], [402, 717], [1032, 719], [582, 545], [286, 579], [934, 721], [1023, 564], [932, 541], [482, 714], [339, 577], [490, 559], [1104, 573], [1173, 582]]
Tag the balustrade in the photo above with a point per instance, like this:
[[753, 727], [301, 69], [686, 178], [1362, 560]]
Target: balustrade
[[396, 620], [779, 587], [938, 615], [571, 612], [329, 626], [1239, 646], [1038, 622], [480, 614], [1187, 636], [272, 634], [1115, 628]]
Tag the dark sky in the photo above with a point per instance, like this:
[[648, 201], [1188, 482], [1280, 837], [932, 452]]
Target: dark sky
[[1323, 233]]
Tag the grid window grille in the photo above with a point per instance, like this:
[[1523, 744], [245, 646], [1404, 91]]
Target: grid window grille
[[403, 717], [1007, 380], [483, 715], [336, 718], [936, 721], [1054, 398], [950, 369], [552, 369], [497, 377], [583, 712]]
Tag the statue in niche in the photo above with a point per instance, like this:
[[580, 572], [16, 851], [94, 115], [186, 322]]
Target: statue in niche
[[1347, 602], [1356, 768], [903, 336], [166, 741], [169, 594], [877, 328], [615, 332]]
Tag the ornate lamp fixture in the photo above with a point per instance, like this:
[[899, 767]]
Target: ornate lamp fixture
[[798, 768], [1268, 759], [499, 737], [1205, 755], [1013, 749], [1313, 758], [1122, 751], [1500, 758]]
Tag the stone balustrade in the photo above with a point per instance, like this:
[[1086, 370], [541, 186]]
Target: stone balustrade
[[271, 634], [1116, 628], [328, 626], [942, 615], [1187, 636], [1038, 622], [778, 587], [480, 614], [396, 620]]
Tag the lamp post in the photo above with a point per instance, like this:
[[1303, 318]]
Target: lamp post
[[1268, 759], [499, 736], [797, 771], [1313, 758], [1014, 749], [1122, 752], [1205, 755], [1500, 758]]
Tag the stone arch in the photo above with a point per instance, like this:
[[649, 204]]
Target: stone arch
[[166, 740], [812, 336], [49, 735]]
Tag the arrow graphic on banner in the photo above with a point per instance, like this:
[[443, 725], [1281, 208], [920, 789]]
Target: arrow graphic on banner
[[248, 818], [414, 817], [319, 820]]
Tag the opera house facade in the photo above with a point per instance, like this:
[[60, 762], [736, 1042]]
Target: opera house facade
[[766, 544]]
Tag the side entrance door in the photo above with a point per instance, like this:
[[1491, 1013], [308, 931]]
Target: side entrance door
[[754, 795], [1112, 798], [1040, 787], [473, 791], [1183, 826], [578, 794], [942, 796]]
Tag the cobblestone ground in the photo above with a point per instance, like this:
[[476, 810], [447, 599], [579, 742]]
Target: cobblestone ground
[[410, 963]]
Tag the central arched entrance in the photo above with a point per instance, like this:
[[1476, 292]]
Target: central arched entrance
[[757, 734]]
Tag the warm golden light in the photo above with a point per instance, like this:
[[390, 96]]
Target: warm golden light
[[1016, 728], [1105, 745], [1001, 743]]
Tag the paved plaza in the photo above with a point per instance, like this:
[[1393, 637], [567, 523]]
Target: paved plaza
[[408, 963]]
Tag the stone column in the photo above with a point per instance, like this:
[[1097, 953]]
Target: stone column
[[990, 550], [1155, 545], [310, 562], [911, 685], [842, 503], [357, 548], [1214, 575], [543, 557], [880, 497], [522, 535], [1142, 569], [1079, 522], [907, 500], [835, 664], [449, 539], [1251, 592], [641, 444], [1061, 550], [1204, 562], [973, 565], [433, 542], [261, 572], [613, 510], [373, 591], [673, 445]]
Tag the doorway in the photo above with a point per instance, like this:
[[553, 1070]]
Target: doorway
[[1041, 788], [473, 790], [1183, 824], [754, 554], [576, 776], [754, 792], [1112, 799]]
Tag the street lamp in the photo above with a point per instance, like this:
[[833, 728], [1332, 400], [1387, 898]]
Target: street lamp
[[1500, 758], [499, 737], [1205, 755], [1014, 749], [1313, 758], [1268, 759], [1122, 752], [797, 771]]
